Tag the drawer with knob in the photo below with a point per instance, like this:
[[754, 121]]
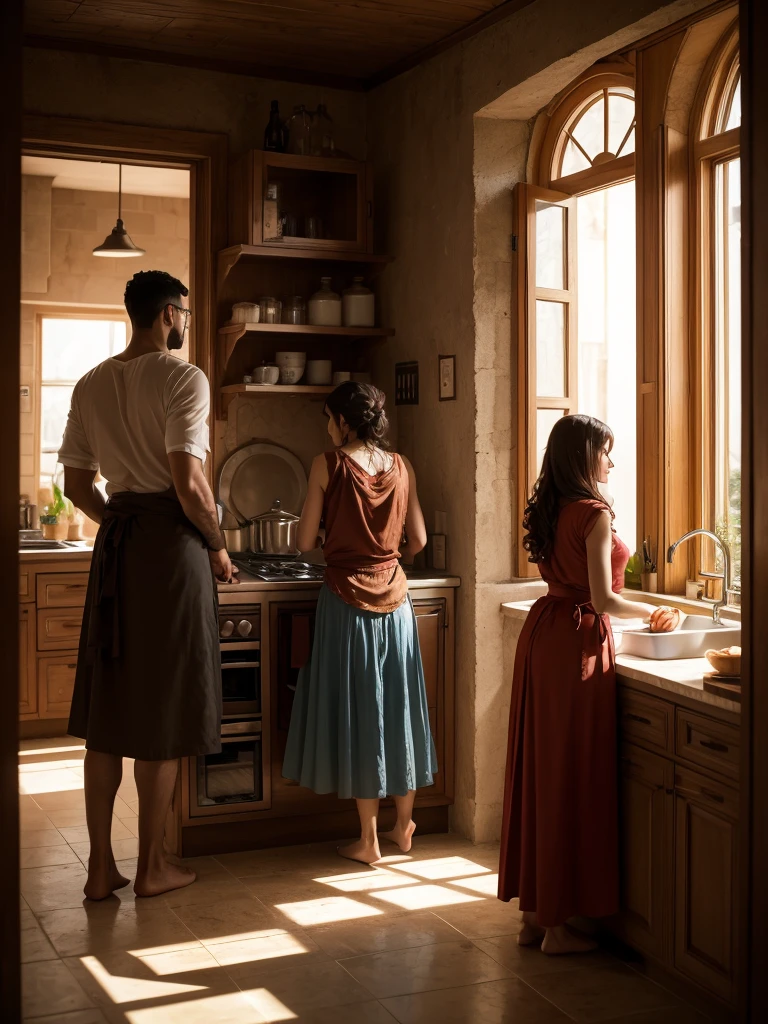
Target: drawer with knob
[[56, 683], [58, 629], [704, 741], [61, 589], [646, 721]]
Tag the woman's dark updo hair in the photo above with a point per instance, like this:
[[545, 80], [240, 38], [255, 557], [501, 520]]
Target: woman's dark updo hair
[[362, 406], [569, 473]]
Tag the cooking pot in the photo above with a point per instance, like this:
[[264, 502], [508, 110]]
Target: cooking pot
[[274, 532]]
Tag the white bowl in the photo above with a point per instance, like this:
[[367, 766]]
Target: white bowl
[[319, 371], [291, 358], [291, 374]]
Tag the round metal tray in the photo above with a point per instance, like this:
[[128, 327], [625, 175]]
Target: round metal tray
[[254, 475]]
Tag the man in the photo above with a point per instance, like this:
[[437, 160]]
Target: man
[[148, 683]]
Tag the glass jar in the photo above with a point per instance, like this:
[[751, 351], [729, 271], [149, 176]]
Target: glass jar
[[325, 306], [295, 310], [270, 310], [299, 130], [357, 305]]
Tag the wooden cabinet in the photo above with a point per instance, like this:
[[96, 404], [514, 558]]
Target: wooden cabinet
[[679, 859], [51, 606], [646, 824], [325, 203], [56, 684], [27, 682], [431, 622], [706, 866]]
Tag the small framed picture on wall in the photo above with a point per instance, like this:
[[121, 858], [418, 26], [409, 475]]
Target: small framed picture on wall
[[447, 375]]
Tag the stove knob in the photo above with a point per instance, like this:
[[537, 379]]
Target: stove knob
[[227, 628], [244, 627]]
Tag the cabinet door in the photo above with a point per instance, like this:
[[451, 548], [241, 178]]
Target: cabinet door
[[706, 902], [430, 623], [646, 828], [27, 681], [56, 684]]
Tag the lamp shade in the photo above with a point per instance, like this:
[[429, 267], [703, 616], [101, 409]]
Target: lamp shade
[[118, 243]]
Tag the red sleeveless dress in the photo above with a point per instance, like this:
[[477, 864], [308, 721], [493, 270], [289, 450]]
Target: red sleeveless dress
[[559, 842]]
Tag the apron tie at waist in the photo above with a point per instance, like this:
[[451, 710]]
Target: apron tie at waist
[[582, 600]]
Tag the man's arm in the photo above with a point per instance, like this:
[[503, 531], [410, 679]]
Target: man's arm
[[196, 499], [81, 490]]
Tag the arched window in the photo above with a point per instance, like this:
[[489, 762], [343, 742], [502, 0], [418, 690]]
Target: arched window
[[589, 140], [717, 345]]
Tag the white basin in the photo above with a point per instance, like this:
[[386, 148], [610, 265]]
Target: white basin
[[697, 634]]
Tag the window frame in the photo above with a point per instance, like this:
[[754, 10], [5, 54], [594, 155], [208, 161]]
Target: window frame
[[563, 190], [710, 149], [55, 312]]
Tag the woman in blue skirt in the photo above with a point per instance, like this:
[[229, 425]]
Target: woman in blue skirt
[[359, 725]]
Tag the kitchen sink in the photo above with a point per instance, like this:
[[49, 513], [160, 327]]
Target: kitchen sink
[[697, 634], [42, 545]]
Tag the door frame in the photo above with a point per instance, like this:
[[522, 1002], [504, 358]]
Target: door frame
[[203, 153]]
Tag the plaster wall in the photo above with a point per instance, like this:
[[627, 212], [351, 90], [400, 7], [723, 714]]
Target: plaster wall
[[139, 92], [448, 140]]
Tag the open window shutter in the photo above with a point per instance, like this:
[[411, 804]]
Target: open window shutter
[[546, 331]]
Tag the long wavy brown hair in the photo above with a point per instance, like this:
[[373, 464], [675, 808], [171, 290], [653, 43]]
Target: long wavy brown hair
[[569, 472]]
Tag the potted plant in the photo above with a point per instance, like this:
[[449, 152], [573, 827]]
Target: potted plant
[[54, 521]]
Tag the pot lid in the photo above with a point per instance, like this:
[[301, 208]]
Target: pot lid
[[276, 514]]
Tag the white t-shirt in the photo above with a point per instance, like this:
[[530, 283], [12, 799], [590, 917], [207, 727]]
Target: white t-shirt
[[127, 415]]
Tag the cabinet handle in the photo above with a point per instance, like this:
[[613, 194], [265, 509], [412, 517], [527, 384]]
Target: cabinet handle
[[638, 718], [631, 764], [713, 745], [369, 208], [73, 667]]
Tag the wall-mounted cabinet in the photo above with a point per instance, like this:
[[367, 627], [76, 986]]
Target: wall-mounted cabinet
[[298, 202]]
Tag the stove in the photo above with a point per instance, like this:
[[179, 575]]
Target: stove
[[277, 571]]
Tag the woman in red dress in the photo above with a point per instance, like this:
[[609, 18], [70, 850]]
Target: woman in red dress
[[559, 844]]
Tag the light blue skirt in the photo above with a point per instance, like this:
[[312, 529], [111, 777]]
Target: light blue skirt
[[359, 725]]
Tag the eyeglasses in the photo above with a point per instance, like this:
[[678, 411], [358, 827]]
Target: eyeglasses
[[187, 312]]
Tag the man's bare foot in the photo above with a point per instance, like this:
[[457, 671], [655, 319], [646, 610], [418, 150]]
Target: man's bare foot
[[561, 940], [401, 836], [531, 932], [103, 880], [364, 851], [163, 878]]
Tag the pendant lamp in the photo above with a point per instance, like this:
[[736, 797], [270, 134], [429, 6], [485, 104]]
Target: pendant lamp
[[118, 241]]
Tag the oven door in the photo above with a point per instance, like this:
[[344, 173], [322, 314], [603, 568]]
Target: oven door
[[233, 780], [241, 678]]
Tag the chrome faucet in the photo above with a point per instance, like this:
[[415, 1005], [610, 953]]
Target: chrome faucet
[[726, 565]]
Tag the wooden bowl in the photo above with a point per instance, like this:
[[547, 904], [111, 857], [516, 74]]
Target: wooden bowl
[[724, 662]]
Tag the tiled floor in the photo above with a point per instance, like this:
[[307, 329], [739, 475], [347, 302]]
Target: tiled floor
[[289, 935]]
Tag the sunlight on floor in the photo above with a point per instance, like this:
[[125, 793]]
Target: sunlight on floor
[[413, 939]]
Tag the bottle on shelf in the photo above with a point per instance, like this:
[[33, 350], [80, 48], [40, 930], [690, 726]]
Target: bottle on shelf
[[299, 131], [274, 133], [325, 306], [357, 305], [321, 133]]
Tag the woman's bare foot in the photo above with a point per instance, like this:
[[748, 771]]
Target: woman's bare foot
[[363, 850], [103, 880], [401, 836], [531, 932], [163, 878], [561, 940]]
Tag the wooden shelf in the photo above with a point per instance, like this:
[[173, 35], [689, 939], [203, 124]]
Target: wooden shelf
[[227, 258], [327, 332], [230, 391]]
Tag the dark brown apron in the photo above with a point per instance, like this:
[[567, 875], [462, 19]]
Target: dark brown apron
[[148, 682]]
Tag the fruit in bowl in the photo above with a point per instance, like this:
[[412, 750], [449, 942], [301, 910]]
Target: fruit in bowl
[[726, 662]]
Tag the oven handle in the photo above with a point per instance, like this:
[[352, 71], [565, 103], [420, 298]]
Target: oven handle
[[240, 664], [244, 645], [237, 729], [240, 739]]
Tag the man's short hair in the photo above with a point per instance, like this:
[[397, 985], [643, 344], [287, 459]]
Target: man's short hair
[[148, 292]]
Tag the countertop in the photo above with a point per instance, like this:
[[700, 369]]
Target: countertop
[[684, 677], [418, 579]]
